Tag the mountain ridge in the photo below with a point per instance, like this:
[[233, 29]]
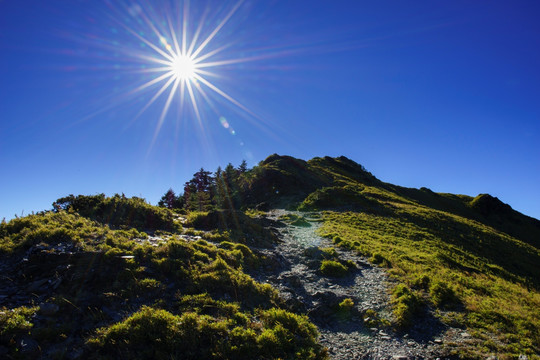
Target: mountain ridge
[[98, 271]]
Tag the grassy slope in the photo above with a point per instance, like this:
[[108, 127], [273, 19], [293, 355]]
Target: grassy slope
[[119, 298], [473, 258], [449, 254]]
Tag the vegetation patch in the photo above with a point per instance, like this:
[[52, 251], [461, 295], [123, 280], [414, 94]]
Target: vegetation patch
[[236, 224], [337, 197], [119, 211], [333, 268], [407, 305], [184, 292], [158, 334], [294, 219], [452, 262]]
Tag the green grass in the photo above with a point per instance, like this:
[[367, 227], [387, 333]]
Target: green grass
[[333, 268], [482, 278], [15, 323], [473, 260], [181, 299], [158, 334], [63, 227], [119, 211]]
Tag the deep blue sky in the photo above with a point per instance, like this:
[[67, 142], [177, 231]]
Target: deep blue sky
[[442, 94]]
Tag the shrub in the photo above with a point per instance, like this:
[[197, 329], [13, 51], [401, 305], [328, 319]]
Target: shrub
[[373, 319], [333, 268], [347, 305], [337, 197], [380, 260], [406, 304], [157, 334], [119, 210], [442, 295], [337, 239], [15, 321], [220, 279], [287, 333]]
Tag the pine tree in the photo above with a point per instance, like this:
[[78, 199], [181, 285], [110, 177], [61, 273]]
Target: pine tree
[[168, 200]]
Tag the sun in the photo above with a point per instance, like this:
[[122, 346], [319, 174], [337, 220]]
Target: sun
[[181, 61], [183, 67]]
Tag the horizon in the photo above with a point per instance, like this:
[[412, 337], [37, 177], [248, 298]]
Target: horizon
[[442, 96]]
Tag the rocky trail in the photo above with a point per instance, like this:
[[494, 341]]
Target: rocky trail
[[295, 273], [292, 266]]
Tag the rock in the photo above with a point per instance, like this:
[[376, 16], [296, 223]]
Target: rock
[[37, 285], [3, 350], [29, 347], [313, 252], [264, 206], [328, 298], [48, 309], [75, 354], [294, 302], [400, 357]]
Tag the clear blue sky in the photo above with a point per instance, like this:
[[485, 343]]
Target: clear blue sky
[[442, 94]]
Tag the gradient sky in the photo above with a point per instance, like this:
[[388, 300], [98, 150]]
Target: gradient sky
[[441, 94]]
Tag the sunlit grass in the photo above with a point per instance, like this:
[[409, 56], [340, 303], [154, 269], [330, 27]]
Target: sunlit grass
[[487, 275]]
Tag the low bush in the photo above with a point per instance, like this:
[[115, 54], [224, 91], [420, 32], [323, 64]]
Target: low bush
[[346, 306], [333, 268], [157, 334], [442, 295], [119, 211], [406, 304], [15, 323], [379, 259]]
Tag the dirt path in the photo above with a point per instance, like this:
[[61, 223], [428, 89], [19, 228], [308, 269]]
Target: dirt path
[[295, 273]]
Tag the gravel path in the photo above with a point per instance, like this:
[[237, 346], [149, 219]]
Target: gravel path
[[294, 272]]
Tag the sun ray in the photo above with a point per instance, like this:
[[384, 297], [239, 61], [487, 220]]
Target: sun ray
[[212, 53], [182, 93], [225, 95], [184, 61], [217, 29], [173, 34], [164, 112], [197, 33], [156, 95], [150, 83], [149, 43], [206, 72], [185, 26], [194, 103]]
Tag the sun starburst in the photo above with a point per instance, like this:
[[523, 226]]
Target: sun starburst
[[183, 67], [182, 61]]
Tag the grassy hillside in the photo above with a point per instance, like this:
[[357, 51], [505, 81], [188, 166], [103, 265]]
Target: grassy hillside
[[99, 277], [118, 284], [475, 260]]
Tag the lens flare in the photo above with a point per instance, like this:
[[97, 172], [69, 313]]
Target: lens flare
[[182, 60]]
